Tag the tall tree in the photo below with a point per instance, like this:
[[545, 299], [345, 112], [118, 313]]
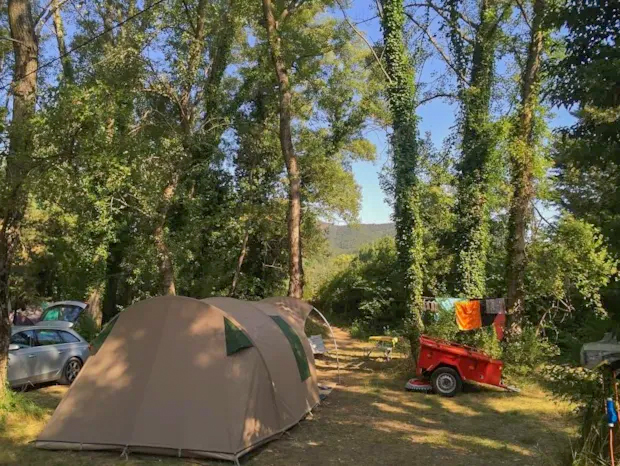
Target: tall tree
[[409, 229], [14, 195], [197, 76], [59, 29], [523, 145], [585, 78], [281, 70], [472, 235]]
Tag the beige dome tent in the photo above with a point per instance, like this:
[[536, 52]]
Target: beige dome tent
[[179, 376]]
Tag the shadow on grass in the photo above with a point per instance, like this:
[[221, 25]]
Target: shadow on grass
[[369, 420]]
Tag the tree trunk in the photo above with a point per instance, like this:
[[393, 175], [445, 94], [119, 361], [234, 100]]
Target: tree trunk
[[240, 260], [409, 232], [472, 235], [67, 68], [95, 305], [13, 197], [522, 168], [295, 288], [166, 268], [113, 273]]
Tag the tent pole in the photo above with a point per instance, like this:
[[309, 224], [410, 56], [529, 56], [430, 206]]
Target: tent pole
[[333, 338]]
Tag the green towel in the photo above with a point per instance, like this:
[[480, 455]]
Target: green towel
[[447, 304]]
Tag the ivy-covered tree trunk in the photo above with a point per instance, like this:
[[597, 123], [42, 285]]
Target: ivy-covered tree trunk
[[295, 288], [472, 235], [522, 166], [59, 29], [409, 231], [13, 195]]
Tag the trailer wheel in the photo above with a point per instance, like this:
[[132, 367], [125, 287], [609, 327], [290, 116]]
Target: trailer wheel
[[446, 381]]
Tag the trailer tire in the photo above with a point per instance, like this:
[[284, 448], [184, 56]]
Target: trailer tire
[[446, 381]]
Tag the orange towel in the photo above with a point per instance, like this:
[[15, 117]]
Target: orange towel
[[468, 315]]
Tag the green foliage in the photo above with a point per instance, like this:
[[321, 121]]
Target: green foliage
[[569, 263], [86, 327], [348, 239], [527, 352], [364, 292], [478, 141], [584, 389], [17, 404], [443, 326], [407, 216]]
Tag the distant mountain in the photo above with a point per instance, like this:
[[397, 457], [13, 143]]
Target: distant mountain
[[345, 239]]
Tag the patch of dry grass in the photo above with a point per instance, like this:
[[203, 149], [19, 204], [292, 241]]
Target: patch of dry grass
[[368, 420]]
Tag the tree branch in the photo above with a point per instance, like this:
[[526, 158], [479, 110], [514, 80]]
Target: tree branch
[[443, 54], [189, 16], [524, 13], [441, 11], [501, 17], [541, 215], [290, 8], [363, 37], [440, 95], [47, 14]]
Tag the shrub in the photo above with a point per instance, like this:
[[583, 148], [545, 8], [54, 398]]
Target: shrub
[[527, 351], [444, 327], [86, 327], [363, 294], [584, 389]]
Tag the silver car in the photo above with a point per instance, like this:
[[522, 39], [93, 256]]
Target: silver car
[[45, 354]]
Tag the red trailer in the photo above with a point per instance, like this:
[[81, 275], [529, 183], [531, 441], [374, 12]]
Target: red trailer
[[449, 364]]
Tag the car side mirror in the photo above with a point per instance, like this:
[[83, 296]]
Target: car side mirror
[[13, 347]]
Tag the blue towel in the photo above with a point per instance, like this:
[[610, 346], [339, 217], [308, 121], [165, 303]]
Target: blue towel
[[447, 304]]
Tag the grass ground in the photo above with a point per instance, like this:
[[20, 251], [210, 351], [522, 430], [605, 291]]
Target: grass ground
[[367, 420]]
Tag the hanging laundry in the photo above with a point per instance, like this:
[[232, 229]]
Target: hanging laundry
[[495, 306], [487, 319], [468, 315], [498, 321], [430, 305], [500, 324], [447, 304]]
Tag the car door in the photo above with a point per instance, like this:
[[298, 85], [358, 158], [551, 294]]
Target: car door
[[21, 368], [49, 355], [72, 346]]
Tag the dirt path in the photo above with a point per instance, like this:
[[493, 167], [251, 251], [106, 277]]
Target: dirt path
[[367, 420]]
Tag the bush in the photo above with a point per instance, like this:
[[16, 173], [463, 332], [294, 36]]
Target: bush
[[444, 327], [363, 294], [86, 327], [527, 351], [584, 389]]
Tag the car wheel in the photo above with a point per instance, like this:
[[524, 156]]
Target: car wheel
[[71, 370], [446, 381]]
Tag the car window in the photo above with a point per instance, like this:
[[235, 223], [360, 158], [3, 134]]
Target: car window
[[48, 337], [23, 339], [72, 313], [68, 338], [62, 312]]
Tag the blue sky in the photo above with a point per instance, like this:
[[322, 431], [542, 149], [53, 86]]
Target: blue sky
[[436, 117]]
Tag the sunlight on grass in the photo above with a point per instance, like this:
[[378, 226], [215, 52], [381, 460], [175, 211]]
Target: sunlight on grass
[[369, 419]]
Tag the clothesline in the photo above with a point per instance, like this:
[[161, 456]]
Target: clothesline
[[471, 314], [430, 302]]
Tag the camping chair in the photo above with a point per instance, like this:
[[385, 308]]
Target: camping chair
[[383, 343]]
